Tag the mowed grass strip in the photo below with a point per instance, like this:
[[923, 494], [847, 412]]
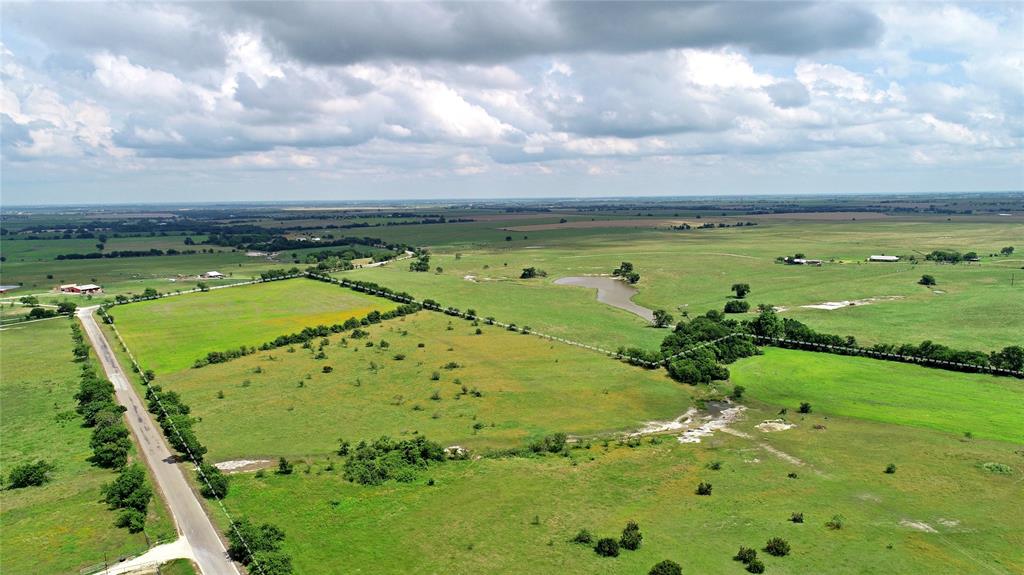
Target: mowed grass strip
[[63, 525], [909, 395], [516, 515], [169, 334], [279, 403]]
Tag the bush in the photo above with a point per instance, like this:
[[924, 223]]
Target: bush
[[737, 393], [755, 566], [666, 567], [247, 540], [382, 460], [327, 369], [891, 468], [804, 407], [212, 483], [29, 474], [133, 519], [737, 306], [745, 554], [836, 523], [927, 280], [607, 547], [797, 517], [285, 467], [704, 488], [777, 547], [631, 536], [583, 537]]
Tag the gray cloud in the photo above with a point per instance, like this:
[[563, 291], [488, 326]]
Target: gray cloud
[[345, 32]]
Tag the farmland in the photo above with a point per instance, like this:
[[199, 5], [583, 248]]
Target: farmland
[[39, 422], [171, 333]]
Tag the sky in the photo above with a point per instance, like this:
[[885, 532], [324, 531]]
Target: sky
[[262, 101]]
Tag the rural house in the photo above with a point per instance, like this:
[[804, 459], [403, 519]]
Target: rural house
[[212, 275], [884, 259], [81, 289]]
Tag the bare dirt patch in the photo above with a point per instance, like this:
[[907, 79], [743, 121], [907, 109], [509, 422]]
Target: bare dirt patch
[[774, 425], [918, 526], [834, 305], [242, 465]]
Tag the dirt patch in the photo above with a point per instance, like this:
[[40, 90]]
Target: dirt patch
[[918, 526], [242, 465], [652, 427], [709, 424], [781, 454], [834, 305], [949, 522], [470, 278], [774, 425]]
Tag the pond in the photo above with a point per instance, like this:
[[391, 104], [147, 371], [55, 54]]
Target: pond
[[611, 291]]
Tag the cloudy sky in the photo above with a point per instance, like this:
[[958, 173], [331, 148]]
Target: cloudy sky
[[334, 101]]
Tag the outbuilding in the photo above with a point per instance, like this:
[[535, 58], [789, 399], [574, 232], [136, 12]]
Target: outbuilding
[[884, 259], [80, 289], [212, 275]]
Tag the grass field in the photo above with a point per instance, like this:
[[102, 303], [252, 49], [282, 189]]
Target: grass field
[[692, 272], [903, 394], [504, 516], [63, 525], [170, 334], [530, 387]]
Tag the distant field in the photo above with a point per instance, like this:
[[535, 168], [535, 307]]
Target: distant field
[[487, 509], [61, 526], [910, 395], [170, 334], [692, 271], [531, 387]]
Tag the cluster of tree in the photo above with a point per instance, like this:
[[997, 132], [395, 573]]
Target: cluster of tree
[[307, 334], [383, 460], [125, 254], [130, 493], [737, 306], [532, 272], [176, 421], [110, 439], [213, 484], [1007, 251], [63, 308], [626, 272], [950, 256], [420, 264], [662, 318], [260, 545], [702, 365], [278, 273], [81, 349], [31, 474]]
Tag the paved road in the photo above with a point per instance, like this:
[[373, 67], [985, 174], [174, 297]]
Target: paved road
[[191, 519]]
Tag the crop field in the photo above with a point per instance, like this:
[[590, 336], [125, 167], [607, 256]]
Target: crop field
[[38, 421], [941, 512], [898, 393], [692, 271], [279, 403], [170, 334]]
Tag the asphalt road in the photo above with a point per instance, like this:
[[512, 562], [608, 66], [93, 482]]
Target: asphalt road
[[192, 521]]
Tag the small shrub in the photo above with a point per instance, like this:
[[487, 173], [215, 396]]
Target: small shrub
[[715, 465], [745, 554], [435, 376], [607, 547], [890, 469], [777, 547], [436, 396], [583, 538], [804, 407], [666, 567], [1000, 468], [327, 369], [399, 356], [631, 536], [737, 393], [797, 517], [792, 475], [30, 475], [704, 488], [284, 467], [755, 566], [836, 523]]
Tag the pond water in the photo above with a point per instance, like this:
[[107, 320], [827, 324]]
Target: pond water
[[611, 291]]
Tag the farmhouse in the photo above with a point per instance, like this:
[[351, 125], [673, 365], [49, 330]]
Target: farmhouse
[[884, 259], [802, 262], [82, 289], [212, 275]]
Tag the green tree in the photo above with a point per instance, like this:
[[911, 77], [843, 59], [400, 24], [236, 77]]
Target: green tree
[[213, 484], [737, 306], [741, 290], [704, 488], [755, 566], [129, 490], [768, 323], [666, 567], [662, 318], [583, 537], [927, 280], [804, 407], [272, 563], [285, 467], [1008, 250], [890, 469], [1010, 357], [745, 554], [29, 474], [246, 540], [66, 308]]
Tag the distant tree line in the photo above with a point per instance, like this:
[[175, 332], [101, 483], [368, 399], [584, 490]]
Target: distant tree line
[[126, 254], [383, 459]]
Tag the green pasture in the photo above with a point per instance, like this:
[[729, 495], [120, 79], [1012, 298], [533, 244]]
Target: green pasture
[[279, 403], [942, 512], [692, 271], [169, 334], [63, 525], [889, 392]]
